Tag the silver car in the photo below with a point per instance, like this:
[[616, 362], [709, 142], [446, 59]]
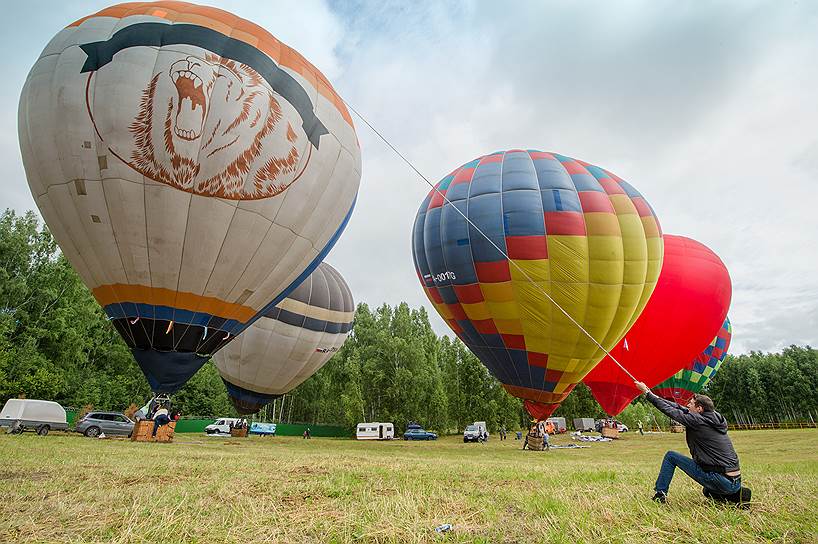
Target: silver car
[[111, 423]]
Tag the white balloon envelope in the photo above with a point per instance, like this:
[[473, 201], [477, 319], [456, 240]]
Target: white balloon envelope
[[289, 343], [192, 168]]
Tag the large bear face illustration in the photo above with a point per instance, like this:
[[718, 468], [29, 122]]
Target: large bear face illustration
[[212, 126]]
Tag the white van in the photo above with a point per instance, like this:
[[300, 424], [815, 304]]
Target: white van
[[36, 415], [476, 432], [375, 431], [222, 425]]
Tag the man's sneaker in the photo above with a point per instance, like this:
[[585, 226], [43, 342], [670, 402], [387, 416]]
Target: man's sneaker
[[660, 497], [712, 495], [742, 497]]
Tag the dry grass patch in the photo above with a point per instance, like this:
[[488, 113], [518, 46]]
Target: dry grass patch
[[72, 489]]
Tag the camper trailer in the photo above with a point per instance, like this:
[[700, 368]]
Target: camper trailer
[[33, 415], [375, 431], [584, 424]]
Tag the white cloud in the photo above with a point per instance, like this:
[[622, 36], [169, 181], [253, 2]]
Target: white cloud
[[707, 108]]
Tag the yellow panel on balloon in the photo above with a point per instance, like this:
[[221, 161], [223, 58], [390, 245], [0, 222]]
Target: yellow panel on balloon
[[498, 292]]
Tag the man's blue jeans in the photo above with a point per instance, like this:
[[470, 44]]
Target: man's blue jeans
[[712, 481]]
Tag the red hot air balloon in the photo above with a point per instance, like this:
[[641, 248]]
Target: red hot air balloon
[[683, 315]]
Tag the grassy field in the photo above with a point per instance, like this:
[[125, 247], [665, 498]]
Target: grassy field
[[72, 489]]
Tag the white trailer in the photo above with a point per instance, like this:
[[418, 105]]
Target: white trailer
[[35, 415], [375, 431], [584, 424]]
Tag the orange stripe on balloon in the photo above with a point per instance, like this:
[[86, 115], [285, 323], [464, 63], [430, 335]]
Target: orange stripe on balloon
[[536, 395], [235, 27], [141, 294]]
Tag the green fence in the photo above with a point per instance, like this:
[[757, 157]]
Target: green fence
[[282, 429], [185, 425]]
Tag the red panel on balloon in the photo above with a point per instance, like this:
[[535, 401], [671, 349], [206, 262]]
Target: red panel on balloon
[[526, 247], [492, 272], [681, 318]]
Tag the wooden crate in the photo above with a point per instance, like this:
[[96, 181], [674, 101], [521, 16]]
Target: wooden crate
[[610, 432], [238, 433], [143, 432]]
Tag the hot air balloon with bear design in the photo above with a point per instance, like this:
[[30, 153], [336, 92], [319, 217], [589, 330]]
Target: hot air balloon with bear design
[[193, 169], [519, 226], [289, 343]]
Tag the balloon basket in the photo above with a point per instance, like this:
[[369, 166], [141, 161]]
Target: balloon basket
[[534, 442], [238, 433], [610, 432], [143, 432], [677, 428]]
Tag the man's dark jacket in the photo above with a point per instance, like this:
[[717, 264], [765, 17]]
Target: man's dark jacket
[[706, 435]]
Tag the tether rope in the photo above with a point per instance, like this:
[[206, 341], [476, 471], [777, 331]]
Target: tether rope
[[484, 235]]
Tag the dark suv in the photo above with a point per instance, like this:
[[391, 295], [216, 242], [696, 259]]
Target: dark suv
[[111, 423]]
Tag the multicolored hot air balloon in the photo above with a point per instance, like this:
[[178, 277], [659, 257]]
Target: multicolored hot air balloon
[[686, 309], [193, 169], [289, 343], [691, 380], [570, 229]]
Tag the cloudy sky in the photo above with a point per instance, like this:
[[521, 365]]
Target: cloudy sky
[[709, 109]]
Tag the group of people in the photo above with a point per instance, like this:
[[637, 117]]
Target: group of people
[[240, 424], [159, 409]]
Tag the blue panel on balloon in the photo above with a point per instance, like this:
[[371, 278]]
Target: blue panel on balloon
[[484, 211], [518, 172], [523, 214], [560, 200], [167, 372], [487, 179], [456, 253], [246, 401]]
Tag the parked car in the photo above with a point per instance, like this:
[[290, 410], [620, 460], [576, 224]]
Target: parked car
[[111, 423], [222, 425], [32, 415], [476, 432], [416, 432]]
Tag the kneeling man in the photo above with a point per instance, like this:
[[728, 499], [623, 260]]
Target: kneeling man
[[714, 464]]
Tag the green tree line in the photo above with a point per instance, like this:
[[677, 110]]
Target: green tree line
[[56, 343]]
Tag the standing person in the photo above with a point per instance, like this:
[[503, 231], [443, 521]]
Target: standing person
[[714, 464], [641, 430]]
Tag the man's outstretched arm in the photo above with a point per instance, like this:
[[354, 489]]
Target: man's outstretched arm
[[670, 409]]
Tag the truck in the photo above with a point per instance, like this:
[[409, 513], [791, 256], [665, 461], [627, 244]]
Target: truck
[[33, 415]]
